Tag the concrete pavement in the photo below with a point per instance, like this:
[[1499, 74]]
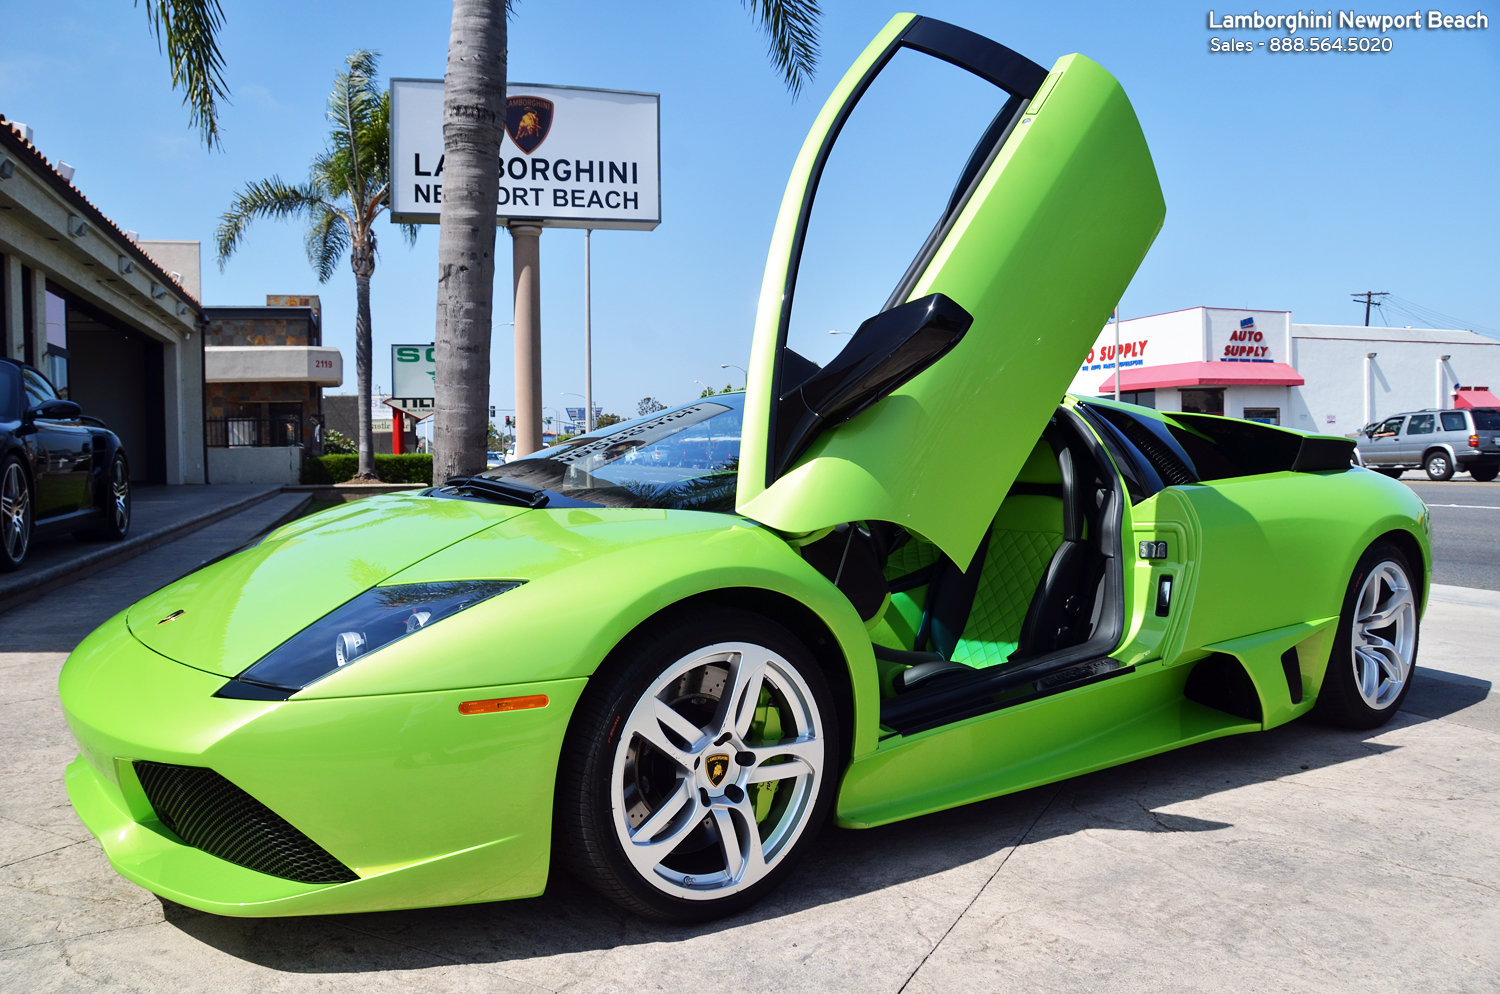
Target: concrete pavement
[[1303, 859], [158, 515]]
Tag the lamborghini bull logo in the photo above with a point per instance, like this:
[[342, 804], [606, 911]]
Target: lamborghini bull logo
[[527, 121], [716, 766]]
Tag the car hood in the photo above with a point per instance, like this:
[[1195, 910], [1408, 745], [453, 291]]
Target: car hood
[[227, 615]]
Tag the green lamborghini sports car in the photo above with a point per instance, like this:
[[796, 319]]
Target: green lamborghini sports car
[[662, 655]]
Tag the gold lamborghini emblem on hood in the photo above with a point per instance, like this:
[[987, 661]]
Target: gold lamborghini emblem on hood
[[716, 766]]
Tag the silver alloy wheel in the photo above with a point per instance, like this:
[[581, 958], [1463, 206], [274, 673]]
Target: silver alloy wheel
[[119, 492], [1437, 467], [15, 512], [717, 771], [1383, 638]]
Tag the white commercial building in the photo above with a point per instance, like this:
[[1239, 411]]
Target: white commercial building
[[1260, 365]]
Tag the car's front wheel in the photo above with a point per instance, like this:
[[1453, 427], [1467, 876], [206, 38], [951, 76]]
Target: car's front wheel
[[698, 767], [1375, 644], [1438, 466], [15, 514]]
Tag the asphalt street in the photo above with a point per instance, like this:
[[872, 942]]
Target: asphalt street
[[1301, 859], [1465, 530]]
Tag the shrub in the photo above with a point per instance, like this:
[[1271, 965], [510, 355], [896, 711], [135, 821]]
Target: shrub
[[415, 468], [336, 443]]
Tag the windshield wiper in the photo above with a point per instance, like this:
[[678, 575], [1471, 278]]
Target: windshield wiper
[[501, 490]]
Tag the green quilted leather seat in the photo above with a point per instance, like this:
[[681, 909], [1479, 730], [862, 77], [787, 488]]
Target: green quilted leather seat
[[1027, 530]]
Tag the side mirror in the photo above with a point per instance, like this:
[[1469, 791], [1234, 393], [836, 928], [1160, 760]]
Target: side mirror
[[887, 351], [55, 410]]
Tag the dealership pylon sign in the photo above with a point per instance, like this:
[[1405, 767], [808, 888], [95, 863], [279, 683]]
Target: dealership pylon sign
[[571, 157]]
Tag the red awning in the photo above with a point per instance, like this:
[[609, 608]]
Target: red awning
[[1206, 374], [1469, 397]]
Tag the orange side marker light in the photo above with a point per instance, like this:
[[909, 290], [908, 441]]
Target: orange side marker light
[[503, 704]]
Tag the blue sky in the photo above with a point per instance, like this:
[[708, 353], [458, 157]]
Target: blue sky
[[1291, 181]]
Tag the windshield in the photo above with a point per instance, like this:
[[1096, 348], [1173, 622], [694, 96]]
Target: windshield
[[684, 458], [1486, 419]]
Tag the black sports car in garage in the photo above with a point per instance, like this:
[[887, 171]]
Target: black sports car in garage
[[60, 470]]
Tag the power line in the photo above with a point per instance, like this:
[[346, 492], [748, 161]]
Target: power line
[[1437, 319], [1370, 301]]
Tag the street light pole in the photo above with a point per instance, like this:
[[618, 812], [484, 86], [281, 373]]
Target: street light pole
[[1117, 355], [730, 365], [588, 345]]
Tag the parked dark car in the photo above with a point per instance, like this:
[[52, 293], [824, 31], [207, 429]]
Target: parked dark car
[[60, 470]]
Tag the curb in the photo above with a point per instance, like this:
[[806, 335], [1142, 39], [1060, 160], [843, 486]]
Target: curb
[[18, 589], [349, 491]]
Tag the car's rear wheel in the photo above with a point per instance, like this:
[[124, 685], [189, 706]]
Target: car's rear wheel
[[1375, 645], [1438, 466], [1394, 474], [15, 514], [1484, 474], [699, 766], [116, 502]]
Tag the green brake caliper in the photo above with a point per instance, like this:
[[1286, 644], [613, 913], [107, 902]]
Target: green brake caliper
[[765, 728]]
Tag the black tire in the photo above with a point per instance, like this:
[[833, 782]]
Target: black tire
[[1394, 474], [1438, 466], [114, 497], [587, 839], [1341, 700], [17, 513], [1484, 474]]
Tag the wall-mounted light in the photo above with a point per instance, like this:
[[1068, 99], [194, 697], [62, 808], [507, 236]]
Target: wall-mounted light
[[126, 266], [76, 226], [7, 167]]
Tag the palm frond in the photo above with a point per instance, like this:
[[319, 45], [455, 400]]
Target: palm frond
[[327, 240], [359, 112], [791, 29], [270, 198], [191, 29]]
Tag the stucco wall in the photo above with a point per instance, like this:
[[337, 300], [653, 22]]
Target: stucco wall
[[271, 466], [1404, 372], [50, 228]]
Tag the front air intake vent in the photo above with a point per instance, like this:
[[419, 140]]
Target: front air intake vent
[[210, 813]]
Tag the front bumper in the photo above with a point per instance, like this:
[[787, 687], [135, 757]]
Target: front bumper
[[425, 805]]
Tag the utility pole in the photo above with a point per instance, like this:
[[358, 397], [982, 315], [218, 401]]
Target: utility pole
[[588, 341], [1370, 301]]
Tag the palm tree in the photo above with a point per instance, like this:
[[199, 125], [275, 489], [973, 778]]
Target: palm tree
[[190, 29], [347, 189], [473, 122]]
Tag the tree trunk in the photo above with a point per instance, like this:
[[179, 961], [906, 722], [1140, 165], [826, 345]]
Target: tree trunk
[[362, 258], [473, 123]]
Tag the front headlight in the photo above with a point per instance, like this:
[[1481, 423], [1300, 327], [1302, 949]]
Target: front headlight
[[374, 619]]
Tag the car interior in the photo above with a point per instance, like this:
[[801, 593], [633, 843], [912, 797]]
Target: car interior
[[1040, 607], [1041, 595]]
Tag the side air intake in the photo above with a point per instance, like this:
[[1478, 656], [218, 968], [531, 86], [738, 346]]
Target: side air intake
[[210, 813]]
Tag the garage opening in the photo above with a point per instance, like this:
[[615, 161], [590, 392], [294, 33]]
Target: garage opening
[[115, 373]]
